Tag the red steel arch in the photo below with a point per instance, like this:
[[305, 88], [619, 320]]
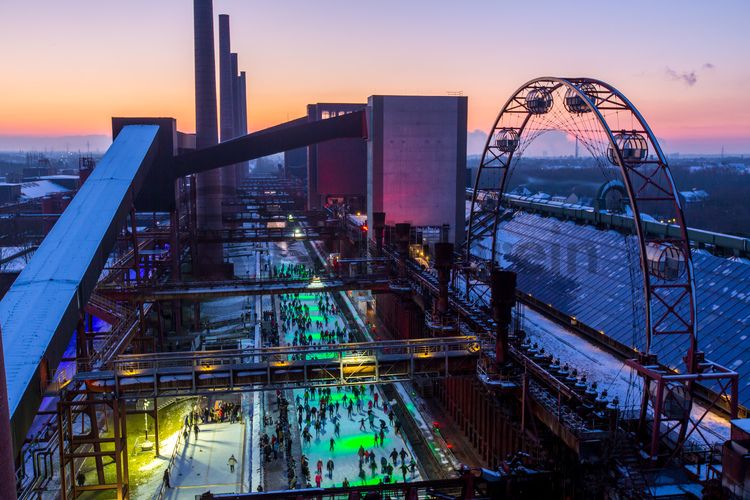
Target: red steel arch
[[594, 112]]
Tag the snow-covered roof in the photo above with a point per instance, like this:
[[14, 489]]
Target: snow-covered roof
[[590, 279], [695, 195], [40, 311], [40, 189], [61, 177]]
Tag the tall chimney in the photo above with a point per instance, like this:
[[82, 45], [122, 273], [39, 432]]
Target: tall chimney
[[244, 166], [243, 103], [235, 95], [226, 99], [236, 110], [208, 184]]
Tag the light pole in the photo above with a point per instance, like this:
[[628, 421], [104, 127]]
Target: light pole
[[145, 417]]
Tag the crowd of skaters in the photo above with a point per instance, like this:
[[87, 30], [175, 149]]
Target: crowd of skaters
[[320, 413], [316, 410], [289, 270], [296, 319]]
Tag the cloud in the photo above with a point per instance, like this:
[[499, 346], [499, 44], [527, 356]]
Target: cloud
[[689, 78], [476, 140]]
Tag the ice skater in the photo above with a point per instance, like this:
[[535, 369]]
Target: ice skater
[[231, 463], [394, 456]]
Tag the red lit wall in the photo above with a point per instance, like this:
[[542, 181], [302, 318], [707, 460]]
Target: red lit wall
[[336, 168]]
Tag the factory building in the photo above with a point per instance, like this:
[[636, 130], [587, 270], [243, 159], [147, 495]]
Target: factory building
[[336, 170], [416, 160]]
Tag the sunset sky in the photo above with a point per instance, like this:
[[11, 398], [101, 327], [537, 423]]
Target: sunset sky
[[68, 66]]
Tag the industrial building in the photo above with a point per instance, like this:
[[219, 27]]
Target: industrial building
[[337, 169], [359, 323], [417, 144]]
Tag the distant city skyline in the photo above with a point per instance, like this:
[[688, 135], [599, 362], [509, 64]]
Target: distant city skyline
[[68, 67]]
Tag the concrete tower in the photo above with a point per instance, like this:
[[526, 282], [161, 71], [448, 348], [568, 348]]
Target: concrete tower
[[208, 185], [226, 99], [244, 166], [235, 94], [243, 103]]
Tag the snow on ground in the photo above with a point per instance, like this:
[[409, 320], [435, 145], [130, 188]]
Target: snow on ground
[[201, 464], [607, 370]]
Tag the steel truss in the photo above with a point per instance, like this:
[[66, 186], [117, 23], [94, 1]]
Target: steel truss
[[609, 126], [203, 372]]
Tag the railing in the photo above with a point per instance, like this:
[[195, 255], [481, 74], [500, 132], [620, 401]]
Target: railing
[[163, 487], [98, 301], [350, 351], [119, 334]]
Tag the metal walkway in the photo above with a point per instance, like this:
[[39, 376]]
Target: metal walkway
[[203, 372], [206, 290]]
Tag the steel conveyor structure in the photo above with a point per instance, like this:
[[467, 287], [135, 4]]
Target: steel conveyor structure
[[41, 310], [192, 373]]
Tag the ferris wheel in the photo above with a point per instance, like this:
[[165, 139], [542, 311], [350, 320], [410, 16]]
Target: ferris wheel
[[601, 119]]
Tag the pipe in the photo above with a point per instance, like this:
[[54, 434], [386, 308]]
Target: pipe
[[443, 265], [503, 289]]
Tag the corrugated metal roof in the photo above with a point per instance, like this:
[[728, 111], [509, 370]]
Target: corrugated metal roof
[[40, 311], [595, 276]]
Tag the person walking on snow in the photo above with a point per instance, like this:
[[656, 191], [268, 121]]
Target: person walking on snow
[[232, 462]]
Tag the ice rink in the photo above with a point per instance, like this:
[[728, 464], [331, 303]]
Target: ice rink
[[201, 464], [351, 437]]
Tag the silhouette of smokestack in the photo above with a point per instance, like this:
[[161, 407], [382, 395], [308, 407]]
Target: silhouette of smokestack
[[208, 184], [244, 166], [226, 99], [243, 103], [235, 95]]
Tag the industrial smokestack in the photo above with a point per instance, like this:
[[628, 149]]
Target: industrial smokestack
[[235, 94], [225, 80], [236, 111], [244, 166], [243, 103], [208, 185], [205, 76], [226, 99]]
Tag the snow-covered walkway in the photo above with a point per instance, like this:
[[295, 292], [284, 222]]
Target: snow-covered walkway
[[202, 463]]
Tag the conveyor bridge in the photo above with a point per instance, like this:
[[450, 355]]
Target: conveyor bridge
[[205, 290], [270, 368]]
